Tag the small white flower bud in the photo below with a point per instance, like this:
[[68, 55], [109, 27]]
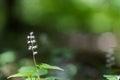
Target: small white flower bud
[[30, 48], [34, 53], [29, 42], [32, 37], [34, 47], [31, 33], [28, 37], [33, 41]]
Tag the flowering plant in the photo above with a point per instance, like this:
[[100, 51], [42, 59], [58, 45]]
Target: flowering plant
[[35, 72]]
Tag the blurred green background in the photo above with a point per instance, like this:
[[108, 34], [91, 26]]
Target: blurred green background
[[73, 34]]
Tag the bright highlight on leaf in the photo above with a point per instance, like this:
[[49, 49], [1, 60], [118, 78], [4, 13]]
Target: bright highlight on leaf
[[47, 66], [112, 77], [22, 75]]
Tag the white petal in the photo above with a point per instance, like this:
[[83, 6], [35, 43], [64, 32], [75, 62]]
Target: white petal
[[31, 33], [33, 41], [29, 42], [28, 37], [32, 37], [34, 47], [30, 48], [34, 53]]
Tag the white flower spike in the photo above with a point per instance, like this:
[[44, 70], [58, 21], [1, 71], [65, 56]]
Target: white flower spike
[[32, 43]]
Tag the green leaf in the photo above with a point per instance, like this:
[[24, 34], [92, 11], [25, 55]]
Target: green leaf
[[42, 72], [21, 75], [33, 69], [27, 69], [30, 74], [112, 77], [46, 66], [25, 72]]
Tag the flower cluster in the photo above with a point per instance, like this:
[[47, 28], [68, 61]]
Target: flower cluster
[[32, 43], [110, 59]]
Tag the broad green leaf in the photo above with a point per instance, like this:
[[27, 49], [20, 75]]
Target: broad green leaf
[[112, 77], [27, 69], [28, 74], [46, 66], [25, 72], [42, 72], [21, 75]]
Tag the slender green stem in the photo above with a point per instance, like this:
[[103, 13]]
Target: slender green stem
[[34, 57], [34, 60], [35, 63]]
